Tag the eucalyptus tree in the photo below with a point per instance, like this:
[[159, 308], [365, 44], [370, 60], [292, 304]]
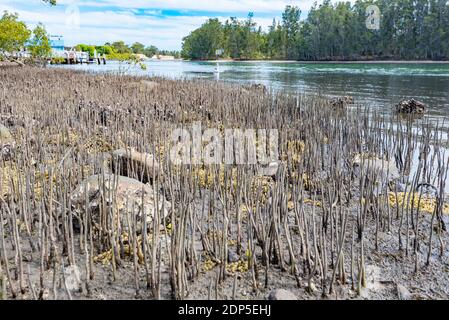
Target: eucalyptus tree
[[13, 34], [40, 43]]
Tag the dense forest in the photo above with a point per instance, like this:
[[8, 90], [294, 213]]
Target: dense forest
[[408, 29]]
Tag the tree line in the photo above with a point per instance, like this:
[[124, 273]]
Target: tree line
[[407, 29], [15, 36], [122, 51]]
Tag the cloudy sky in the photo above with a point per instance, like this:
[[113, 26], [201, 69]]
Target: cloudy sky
[[160, 22]]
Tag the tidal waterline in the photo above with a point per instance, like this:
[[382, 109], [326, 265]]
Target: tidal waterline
[[379, 85]]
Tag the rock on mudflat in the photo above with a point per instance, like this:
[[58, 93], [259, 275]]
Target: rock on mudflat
[[136, 165], [341, 102], [6, 143], [385, 170], [232, 255], [281, 294], [411, 106], [269, 170], [7, 152], [398, 187], [127, 195], [403, 293], [256, 87], [5, 135], [72, 278]]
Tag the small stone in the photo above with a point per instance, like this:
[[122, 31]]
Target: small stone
[[341, 102], [311, 288], [383, 170], [6, 143], [7, 152], [72, 277], [257, 87], [5, 135], [270, 170], [427, 190], [232, 255], [411, 106], [45, 294], [403, 293], [400, 187], [281, 294]]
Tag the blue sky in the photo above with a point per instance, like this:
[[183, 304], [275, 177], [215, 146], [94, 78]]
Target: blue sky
[[159, 22]]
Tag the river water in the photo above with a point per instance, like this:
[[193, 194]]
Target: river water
[[378, 86]]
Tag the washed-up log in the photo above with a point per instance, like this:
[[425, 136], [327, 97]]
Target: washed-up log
[[133, 164]]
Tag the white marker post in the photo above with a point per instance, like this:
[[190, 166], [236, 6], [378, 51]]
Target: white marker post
[[217, 67]]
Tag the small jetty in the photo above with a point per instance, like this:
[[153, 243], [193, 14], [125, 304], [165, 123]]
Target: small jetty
[[69, 55]]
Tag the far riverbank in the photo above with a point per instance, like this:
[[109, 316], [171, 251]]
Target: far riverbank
[[331, 62]]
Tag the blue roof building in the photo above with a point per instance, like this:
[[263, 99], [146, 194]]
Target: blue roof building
[[57, 42]]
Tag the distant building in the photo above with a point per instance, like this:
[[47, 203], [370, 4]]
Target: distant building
[[69, 54], [162, 57], [57, 46], [57, 43], [141, 57]]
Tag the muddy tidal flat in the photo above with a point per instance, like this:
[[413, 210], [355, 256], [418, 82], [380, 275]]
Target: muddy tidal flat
[[93, 205]]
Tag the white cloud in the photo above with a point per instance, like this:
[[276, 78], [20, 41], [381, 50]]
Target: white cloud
[[110, 20], [98, 27], [227, 6]]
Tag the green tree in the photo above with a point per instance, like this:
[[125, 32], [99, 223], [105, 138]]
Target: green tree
[[86, 48], [291, 26], [275, 48], [52, 2], [40, 43], [13, 33], [233, 38], [138, 48], [173, 53], [250, 48], [106, 49], [150, 51], [203, 42], [121, 47], [333, 30]]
